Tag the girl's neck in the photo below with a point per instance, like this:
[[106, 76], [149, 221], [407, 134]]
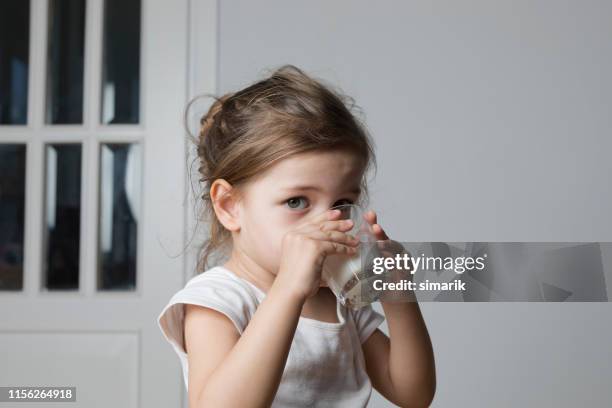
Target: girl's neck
[[321, 306], [245, 268]]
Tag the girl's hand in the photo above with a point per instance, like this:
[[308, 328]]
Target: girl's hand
[[305, 248], [390, 248], [370, 217]]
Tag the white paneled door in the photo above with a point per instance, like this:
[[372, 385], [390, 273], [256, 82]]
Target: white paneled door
[[94, 204]]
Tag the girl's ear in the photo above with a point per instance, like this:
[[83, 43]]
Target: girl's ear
[[225, 204]]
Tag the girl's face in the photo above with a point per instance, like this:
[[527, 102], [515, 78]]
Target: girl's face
[[287, 193]]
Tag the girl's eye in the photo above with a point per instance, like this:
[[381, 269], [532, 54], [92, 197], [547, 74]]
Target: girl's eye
[[343, 201], [294, 203]]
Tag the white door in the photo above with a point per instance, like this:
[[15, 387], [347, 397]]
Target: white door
[[94, 204]]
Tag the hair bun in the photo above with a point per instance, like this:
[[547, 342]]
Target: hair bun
[[208, 121]]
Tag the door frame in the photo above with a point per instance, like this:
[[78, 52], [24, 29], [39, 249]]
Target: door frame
[[178, 39]]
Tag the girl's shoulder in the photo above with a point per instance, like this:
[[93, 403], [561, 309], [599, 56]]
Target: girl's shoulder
[[217, 288], [217, 276]]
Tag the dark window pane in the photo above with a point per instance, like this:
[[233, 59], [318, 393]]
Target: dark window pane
[[119, 213], [65, 61], [121, 62], [62, 215], [12, 206], [14, 57]]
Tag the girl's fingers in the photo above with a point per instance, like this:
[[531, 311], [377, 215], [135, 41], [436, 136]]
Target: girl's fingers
[[379, 232], [319, 218], [333, 225], [371, 217], [329, 248], [334, 236], [341, 225], [327, 221], [326, 216]]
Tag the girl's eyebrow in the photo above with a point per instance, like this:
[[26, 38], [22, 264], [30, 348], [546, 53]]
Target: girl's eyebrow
[[356, 190], [302, 188]]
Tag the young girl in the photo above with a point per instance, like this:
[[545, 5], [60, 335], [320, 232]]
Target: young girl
[[262, 329]]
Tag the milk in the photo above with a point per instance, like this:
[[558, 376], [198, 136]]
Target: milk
[[339, 270], [349, 280]]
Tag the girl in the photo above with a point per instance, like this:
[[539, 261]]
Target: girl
[[262, 329]]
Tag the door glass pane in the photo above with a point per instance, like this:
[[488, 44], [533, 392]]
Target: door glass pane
[[119, 214], [12, 206], [65, 61], [62, 216], [14, 61], [121, 62]]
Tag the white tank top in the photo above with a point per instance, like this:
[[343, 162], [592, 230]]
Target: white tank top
[[325, 366]]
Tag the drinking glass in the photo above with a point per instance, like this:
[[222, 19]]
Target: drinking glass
[[351, 277]]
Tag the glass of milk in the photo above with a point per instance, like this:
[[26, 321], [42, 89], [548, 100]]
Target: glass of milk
[[348, 276]]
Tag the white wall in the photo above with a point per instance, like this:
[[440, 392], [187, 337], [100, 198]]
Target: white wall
[[492, 122]]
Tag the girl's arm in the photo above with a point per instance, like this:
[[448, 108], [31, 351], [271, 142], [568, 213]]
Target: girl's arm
[[402, 368], [229, 370]]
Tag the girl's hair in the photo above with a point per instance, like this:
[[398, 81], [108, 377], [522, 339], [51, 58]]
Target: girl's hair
[[246, 132]]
